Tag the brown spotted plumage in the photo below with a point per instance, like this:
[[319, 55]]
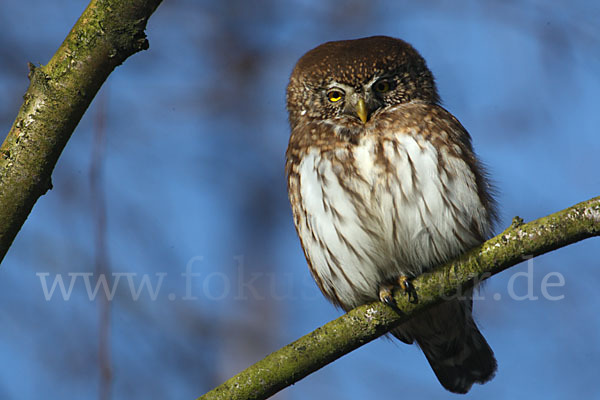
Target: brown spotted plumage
[[384, 185]]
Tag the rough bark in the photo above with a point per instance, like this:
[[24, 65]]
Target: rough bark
[[363, 324], [107, 33]]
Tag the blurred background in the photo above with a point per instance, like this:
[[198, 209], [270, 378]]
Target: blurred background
[[173, 186]]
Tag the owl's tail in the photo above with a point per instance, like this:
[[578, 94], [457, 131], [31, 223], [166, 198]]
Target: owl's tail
[[460, 361]]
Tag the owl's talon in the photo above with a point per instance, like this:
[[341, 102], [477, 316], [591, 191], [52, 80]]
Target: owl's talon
[[386, 295], [408, 288]]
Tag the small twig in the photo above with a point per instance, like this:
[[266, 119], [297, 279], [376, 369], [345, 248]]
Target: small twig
[[106, 34], [102, 265]]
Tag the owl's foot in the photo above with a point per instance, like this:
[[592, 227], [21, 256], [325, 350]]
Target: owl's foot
[[386, 295], [408, 288]]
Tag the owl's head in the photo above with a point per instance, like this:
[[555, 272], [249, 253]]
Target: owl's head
[[348, 82]]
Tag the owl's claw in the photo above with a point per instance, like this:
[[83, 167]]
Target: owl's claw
[[408, 288], [386, 295]]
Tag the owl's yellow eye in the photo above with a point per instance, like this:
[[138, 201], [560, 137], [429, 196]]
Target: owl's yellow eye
[[335, 95], [382, 86]]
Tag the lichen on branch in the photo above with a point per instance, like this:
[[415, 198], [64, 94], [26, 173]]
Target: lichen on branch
[[106, 34], [365, 323]]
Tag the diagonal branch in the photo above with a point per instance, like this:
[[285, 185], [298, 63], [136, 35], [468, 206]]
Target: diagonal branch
[[365, 323], [106, 34]]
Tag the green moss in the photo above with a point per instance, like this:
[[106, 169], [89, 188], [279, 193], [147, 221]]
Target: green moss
[[367, 322], [106, 34]]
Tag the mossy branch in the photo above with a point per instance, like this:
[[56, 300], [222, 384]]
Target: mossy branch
[[363, 324], [107, 33]]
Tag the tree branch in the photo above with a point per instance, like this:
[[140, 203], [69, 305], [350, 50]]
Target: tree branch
[[365, 323], [107, 33]]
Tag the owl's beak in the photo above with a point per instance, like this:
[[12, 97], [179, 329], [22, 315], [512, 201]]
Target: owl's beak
[[361, 110]]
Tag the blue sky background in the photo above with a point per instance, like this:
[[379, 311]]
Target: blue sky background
[[196, 132]]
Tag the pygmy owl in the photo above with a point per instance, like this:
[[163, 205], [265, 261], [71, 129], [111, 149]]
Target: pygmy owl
[[384, 185]]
